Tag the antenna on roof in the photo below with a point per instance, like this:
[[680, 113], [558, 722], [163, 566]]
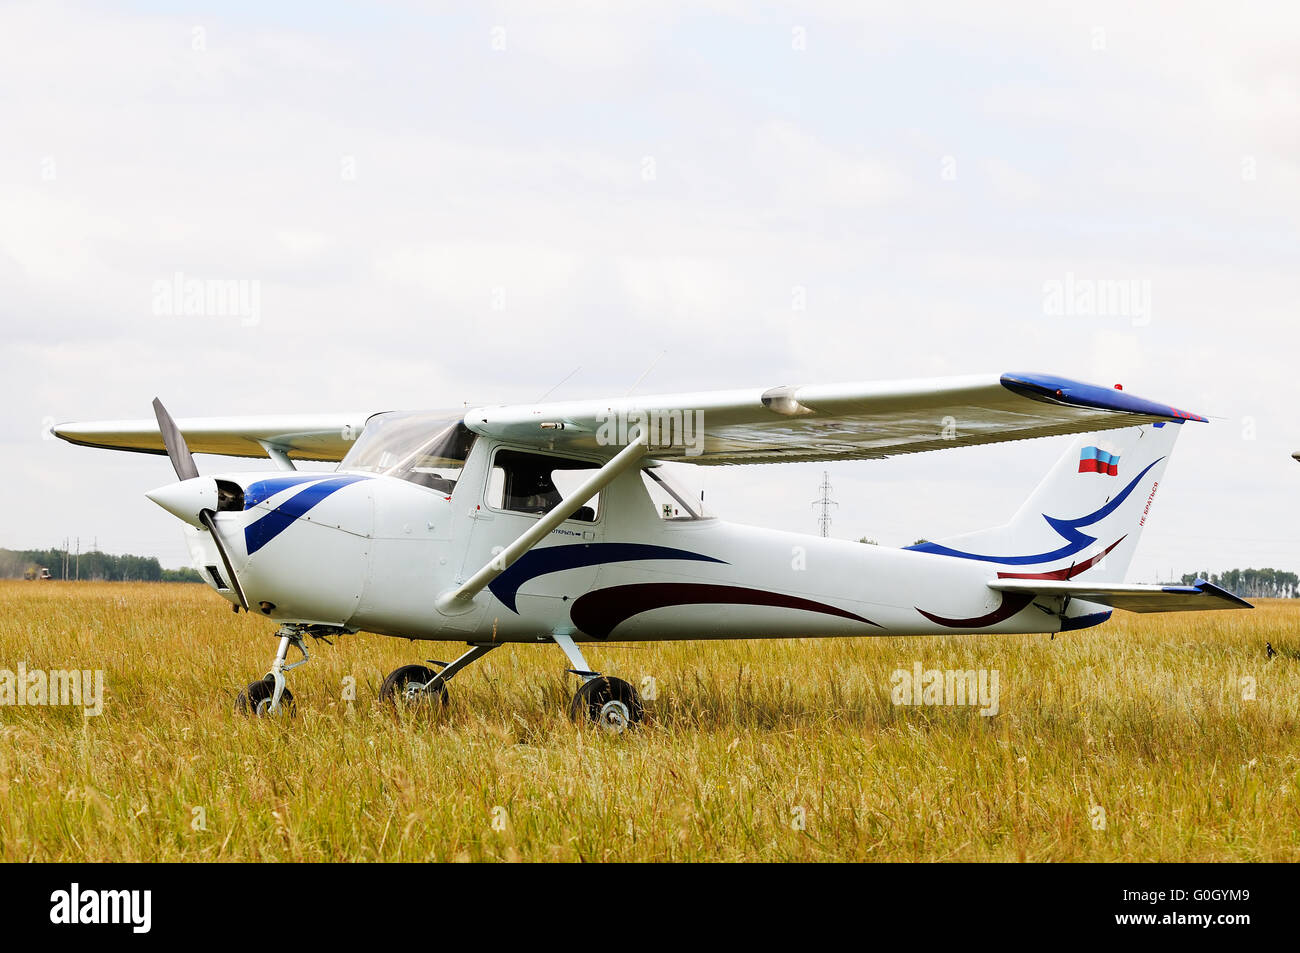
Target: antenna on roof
[[646, 373], [557, 384]]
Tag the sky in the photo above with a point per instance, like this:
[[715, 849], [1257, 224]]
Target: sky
[[444, 205]]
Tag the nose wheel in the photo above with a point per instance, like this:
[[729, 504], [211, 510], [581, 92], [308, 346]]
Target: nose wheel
[[256, 700]]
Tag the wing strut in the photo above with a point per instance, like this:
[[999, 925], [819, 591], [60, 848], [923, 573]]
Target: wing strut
[[278, 455], [459, 599]]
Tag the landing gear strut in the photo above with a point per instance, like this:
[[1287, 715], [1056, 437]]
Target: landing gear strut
[[269, 696], [609, 702], [413, 685]]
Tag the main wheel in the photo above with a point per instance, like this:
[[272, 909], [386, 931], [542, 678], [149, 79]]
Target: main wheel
[[256, 699], [609, 702], [403, 688]]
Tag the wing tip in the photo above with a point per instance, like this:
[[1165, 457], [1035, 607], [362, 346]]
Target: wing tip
[[1063, 390]]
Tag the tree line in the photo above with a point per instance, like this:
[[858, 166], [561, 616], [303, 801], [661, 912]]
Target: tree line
[[1252, 583], [93, 566]]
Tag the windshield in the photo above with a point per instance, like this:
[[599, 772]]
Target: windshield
[[424, 448]]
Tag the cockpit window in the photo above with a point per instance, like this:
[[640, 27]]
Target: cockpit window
[[671, 501], [536, 483], [428, 449]]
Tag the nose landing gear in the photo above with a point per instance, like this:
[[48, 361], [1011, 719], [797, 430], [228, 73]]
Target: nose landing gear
[[269, 696], [257, 697]]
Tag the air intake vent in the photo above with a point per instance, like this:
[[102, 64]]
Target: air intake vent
[[230, 496]]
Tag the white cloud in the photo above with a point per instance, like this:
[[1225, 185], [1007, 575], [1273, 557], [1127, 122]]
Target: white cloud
[[523, 170]]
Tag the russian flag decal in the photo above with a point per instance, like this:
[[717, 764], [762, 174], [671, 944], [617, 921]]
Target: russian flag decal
[[1096, 460]]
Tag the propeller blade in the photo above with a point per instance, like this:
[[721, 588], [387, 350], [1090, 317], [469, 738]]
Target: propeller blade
[[177, 449]]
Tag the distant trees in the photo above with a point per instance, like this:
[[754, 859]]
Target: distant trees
[[1252, 583], [16, 564]]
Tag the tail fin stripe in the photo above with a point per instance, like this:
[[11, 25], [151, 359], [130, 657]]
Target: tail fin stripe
[[1068, 572], [1067, 528]]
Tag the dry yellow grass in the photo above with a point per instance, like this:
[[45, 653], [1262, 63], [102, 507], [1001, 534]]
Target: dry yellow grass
[[1143, 718]]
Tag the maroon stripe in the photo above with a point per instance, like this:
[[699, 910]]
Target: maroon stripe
[[1069, 572], [1012, 602], [598, 613]]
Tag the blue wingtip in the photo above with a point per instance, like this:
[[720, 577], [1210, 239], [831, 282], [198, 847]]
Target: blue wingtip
[[1062, 390]]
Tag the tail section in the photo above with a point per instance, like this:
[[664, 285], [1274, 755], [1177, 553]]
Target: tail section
[[1086, 516]]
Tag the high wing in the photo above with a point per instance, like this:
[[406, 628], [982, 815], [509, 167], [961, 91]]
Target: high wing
[[865, 420], [1134, 598], [325, 437]]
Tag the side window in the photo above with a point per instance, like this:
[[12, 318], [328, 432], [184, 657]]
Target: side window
[[671, 502], [535, 483]]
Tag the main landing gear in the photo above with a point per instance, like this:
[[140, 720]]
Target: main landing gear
[[609, 702], [414, 685]]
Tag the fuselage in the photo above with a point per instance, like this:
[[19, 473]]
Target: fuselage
[[361, 550]]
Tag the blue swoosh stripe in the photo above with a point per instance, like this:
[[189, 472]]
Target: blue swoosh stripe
[[261, 531], [541, 562], [1085, 621], [265, 489], [1068, 529]]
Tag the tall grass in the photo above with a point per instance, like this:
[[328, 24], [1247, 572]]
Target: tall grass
[[1128, 742]]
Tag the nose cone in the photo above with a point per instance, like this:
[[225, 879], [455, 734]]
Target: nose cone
[[187, 499]]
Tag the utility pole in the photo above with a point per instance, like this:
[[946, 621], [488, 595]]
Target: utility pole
[[78, 559], [825, 502]]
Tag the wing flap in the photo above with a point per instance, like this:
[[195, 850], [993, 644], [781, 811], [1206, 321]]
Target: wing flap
[[1132, 597]]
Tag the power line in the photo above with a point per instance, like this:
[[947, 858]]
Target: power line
[[825, 502]]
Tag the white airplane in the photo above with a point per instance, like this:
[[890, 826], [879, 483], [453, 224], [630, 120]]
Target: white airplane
[[554, 523]]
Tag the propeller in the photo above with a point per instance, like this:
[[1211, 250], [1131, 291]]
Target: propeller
[[178, 452], [177, 449]]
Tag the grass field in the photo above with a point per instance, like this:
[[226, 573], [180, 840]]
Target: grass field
[[1143, 719]]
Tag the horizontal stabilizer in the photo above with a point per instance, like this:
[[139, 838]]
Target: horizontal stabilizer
[[1135, 598]]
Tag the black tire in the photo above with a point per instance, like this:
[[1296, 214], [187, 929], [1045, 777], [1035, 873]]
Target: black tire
[[392, 692], [250, 700], [597, 702]]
